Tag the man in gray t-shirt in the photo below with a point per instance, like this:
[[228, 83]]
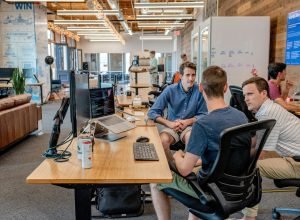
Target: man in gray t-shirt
[[204, 140]]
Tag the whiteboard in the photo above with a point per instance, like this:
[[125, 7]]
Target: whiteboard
[[240, 45]]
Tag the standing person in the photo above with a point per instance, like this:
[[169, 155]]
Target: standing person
[[183, 58], [277, 73], [283, 139], [153, 68], [204, 140], [184, 106]]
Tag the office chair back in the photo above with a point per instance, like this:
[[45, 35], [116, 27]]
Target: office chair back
[[237, 101], [229, 187]]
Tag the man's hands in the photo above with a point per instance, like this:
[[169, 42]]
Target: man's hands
[[178, 125]]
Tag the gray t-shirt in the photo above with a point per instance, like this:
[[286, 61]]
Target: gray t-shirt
[[205, 138]]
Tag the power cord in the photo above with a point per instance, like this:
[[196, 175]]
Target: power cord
[[62, 154]]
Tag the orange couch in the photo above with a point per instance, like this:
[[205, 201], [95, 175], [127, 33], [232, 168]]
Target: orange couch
[[18, 118]]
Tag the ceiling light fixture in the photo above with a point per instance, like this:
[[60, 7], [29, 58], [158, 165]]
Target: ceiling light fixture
[[104, 40], [80, 28], [63, 1], [86, 12], [95, 34], [164, 17], [79, 22], [155, 37], [180, 11], [169, 5], [161, 25]]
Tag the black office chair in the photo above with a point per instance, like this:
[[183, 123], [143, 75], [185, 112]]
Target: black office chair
[[156, 93], [222, 192], [280, 183], [237, 101]]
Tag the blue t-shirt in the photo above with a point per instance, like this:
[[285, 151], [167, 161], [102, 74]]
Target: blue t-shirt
[[179, 104], [205, 136]]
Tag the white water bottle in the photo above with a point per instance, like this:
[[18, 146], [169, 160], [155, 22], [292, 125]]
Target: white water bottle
[[86, 149]]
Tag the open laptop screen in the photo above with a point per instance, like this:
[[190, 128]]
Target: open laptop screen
[[102, 102]]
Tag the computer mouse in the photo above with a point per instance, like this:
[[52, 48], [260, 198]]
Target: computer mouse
[[142, 139]]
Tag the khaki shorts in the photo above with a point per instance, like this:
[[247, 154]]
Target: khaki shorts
[[176, 135]]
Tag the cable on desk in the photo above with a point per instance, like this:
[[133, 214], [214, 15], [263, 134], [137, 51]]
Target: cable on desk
[[60, 153]]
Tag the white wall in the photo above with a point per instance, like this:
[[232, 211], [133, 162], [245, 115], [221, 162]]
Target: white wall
[[132, 45]]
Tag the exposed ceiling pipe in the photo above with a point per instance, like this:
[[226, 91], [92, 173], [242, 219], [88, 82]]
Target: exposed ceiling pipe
[[114, 5]]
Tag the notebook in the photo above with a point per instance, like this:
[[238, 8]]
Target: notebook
[[103, 111]]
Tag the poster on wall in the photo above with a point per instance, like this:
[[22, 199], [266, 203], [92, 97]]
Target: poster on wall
[[292, 53], [18, 39]]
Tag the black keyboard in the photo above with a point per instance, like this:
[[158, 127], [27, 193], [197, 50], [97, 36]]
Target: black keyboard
[[144, 151]]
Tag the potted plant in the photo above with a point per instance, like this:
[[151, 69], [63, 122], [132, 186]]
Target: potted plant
[[18, 81]]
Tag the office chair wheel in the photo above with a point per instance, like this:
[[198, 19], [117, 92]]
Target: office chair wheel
[[275, 215]]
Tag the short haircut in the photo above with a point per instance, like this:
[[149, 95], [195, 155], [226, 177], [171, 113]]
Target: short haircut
[[261, 84], [152, 52], [183, 55], [275, 68], [213, 80], [187, 65]]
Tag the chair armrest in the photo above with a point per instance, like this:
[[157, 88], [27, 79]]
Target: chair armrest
[[155, 85], [204, 198], [155, 93]]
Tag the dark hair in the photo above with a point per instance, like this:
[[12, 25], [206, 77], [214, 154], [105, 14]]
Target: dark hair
[[187, 65], [275, 68], [152, 51], [213, 80], [261, 84]]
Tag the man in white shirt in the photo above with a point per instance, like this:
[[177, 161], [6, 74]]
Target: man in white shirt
[[153, 68], [284, 139]]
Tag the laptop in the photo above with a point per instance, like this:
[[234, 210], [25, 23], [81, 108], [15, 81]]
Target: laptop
[[103, 111]]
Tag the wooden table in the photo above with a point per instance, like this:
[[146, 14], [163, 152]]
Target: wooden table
[[113, 163], [125, 101], [6, 85]]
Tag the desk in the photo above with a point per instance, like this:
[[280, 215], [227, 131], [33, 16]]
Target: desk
[[6, 85], [125, 101], [41, 88], [4, 89], [113, 163]]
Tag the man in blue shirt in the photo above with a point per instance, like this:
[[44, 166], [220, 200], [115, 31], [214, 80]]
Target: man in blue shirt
[[204, 140], [184, 105]]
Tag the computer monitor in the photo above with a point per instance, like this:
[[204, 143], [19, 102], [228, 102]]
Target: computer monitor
[[82, 101], [102, 102], [161, 68], [28, 73], [102, 84], [135, 61], [6, 72]]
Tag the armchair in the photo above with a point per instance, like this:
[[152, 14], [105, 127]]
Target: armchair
[[222, 192], [280, 183]]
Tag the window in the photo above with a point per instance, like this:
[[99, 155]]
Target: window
[[103, 62]]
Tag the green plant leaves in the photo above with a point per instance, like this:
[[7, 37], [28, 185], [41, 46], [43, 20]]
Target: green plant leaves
[[18, 81]]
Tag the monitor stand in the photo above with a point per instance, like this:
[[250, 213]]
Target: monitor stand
[[102, 133]]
